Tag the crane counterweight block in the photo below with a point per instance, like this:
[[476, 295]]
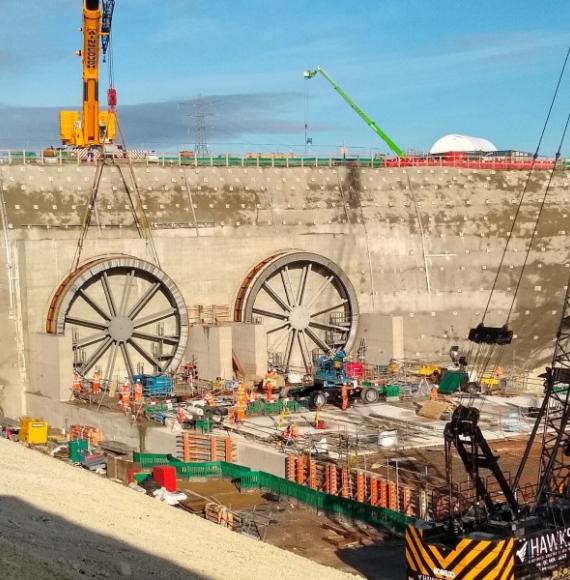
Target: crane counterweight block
[[482, 334]]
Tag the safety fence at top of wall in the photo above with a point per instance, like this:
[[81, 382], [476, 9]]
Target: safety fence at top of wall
[[180, 159]]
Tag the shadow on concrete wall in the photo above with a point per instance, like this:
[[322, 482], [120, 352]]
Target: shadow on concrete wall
[[38, 545]]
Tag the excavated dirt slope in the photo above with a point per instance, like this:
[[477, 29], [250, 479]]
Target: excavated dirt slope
[[60, 522]]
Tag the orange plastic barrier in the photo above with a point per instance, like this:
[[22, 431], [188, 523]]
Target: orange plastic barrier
[[373, 491], [313, 475], [301, 470], [360, 487], [345, 479], [291, 467]]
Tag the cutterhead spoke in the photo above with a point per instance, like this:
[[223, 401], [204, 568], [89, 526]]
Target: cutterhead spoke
[[303, 283], [289, 348], [126, 292], [280, 302], [108, 376], [85, 323], [108, 294], [162, 315], [286, 280], [269, 314], [325, 326], [318, 340], [93, 304], [90, 340], [304, 350], [96, 356], [127, 361], [146, 355], [326, 282], [144, 300], [329, 309], [278, 327], [157, 337]]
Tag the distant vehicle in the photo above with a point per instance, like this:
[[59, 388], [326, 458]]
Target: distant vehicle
[[152, 157], [331, 373]]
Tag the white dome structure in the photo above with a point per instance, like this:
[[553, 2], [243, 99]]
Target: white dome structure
[[462, 143]]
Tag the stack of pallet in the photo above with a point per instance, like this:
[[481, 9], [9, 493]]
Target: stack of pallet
[[195, 447], [222, 516], [194, 314], [92, 434], [221, 313], [208, 314]]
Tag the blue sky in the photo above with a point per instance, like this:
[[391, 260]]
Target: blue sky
[[420, 68]]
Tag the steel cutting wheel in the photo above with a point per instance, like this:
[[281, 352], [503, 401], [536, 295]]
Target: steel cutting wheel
[[306, 302], [125, 315]]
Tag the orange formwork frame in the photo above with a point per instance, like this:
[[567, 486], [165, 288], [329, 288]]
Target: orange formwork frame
[[196, 447], [360, 486], [373, 491], [292, 468], [355, 484]]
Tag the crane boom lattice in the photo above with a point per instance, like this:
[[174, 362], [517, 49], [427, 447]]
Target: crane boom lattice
[[554, 474]]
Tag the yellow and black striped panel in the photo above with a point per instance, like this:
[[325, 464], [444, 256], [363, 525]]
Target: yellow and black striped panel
[[468, 560]]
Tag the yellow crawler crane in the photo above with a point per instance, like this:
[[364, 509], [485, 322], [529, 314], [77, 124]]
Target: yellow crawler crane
[[91, 127], [500, 528]]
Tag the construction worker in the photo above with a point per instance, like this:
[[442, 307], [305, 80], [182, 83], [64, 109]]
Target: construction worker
[[344, 396], [125, 397], [76, 384], [138, 391], [209, 398], [393, 367], [96, 383], [291, 432], [241, 403], [268, 385], [180, 414]]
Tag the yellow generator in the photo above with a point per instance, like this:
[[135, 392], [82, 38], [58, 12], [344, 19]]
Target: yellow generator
[[33, 431]]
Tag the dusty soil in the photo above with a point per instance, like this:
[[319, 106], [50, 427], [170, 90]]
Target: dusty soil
[[60, 522], [348, 546]]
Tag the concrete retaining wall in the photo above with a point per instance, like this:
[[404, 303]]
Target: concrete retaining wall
[[212, 225]]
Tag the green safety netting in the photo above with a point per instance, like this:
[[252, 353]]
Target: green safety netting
[[248, 479]]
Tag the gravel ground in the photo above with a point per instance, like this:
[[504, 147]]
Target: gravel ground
[[59, 522]]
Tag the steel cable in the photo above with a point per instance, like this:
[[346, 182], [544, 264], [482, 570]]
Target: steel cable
[[535, 228], [530, 172]]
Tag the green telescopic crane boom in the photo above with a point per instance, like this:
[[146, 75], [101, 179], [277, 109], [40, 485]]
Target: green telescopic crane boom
[[309, 74]]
